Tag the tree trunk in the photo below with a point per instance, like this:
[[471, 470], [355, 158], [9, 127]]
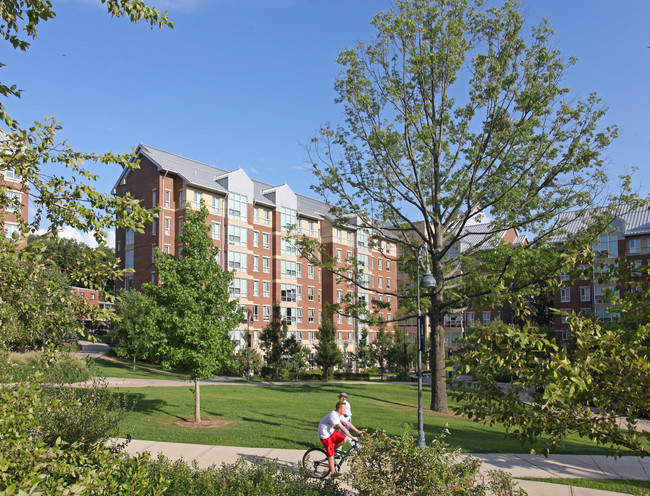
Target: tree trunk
[[437, 358], [197, 401], [133, 363]]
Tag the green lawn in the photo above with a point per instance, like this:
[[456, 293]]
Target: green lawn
[[637, 487], [110, 366], [287, 416]]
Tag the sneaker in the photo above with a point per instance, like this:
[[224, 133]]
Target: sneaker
[[336, 475]]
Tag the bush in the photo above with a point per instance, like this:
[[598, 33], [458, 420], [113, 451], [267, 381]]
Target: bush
[[397, 466], [263, 478], [52, 367], [351, 376], [312, 375]]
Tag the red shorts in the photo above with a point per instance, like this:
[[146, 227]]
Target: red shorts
[[329, 442]]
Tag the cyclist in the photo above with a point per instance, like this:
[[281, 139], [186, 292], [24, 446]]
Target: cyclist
[[330, 437], [346, 419]]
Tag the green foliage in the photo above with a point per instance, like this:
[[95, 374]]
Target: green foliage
[[395, 465], [260, 478], [135, 331], [328, 354], [364, 357], [65, 254], [51, 367], [381, 347], [456, 110], [276, 345], [30, 300], [194, 311], [588, 388]]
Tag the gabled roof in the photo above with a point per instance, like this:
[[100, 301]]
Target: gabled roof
[[481, 235], [634, 222]]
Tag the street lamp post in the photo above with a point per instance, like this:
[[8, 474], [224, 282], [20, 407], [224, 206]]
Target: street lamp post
[[427, 281]]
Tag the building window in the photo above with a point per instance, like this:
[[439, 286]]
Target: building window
[[310, 228], [237, 236], [198, 198], [607, 246], [288, 269], [299, 269], [288, 218], [168, 249], [266, 264], [634, 246], [380, 264], [288, 292], [310, 293], [470, 317], [362, 239], [299, 292], [237, 207], [168, 198], [339, 236], [585, 293], [266, 241], [154, 226], [288, 315], [311, 315], [256, 312], [565, 295], [216, 230], [256, 239], [266, 313], [339, 318], [310, 271], [288, 247], [168, 228], [181, 203], [349, 238], [216, 205], [387, 265], [256, 288], [180, 226], [154, 199], [238, 288], [339, 296], [256, 263], [388, 283], [486, 317], [266, 289], [380, 282], [153, 281], [153, 253], [564, 276], [237, 261], [128, 259]]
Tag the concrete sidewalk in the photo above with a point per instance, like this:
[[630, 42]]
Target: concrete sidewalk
[[519, 465]]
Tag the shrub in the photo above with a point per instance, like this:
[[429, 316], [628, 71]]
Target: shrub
[[312, 375], [351, 376], [52, 367], [263, 478], [396, 466]]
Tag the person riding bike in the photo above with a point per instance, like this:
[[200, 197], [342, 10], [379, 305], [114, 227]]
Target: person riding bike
[[332, 438]]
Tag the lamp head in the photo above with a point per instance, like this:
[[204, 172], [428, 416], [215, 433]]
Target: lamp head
[[427, 280]]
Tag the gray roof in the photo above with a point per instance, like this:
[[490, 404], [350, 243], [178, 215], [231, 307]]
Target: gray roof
[[634, 222], [481, 234]]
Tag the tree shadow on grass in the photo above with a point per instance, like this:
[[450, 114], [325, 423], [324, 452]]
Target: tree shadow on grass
[[139, 403]]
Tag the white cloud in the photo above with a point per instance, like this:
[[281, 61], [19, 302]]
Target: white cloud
[[87, 238]]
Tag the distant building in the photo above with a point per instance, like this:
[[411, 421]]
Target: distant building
[[250, 222], [12, 185], [627, 239]]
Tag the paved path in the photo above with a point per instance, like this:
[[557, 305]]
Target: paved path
[[559, 466]]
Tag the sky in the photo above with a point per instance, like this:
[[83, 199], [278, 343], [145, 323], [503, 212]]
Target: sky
[[248, 83]]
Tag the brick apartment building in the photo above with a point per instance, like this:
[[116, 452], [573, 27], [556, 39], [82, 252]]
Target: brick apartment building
[[250, 224], [628, 238], [12, 186]]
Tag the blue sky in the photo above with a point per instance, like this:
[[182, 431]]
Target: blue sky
[[248, 83]]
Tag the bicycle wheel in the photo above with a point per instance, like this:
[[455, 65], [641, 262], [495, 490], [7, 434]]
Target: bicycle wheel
[[315, 463]]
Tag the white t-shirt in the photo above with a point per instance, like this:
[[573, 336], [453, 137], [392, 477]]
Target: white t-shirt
[[327, 424]]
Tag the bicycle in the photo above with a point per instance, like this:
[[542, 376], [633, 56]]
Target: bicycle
[[315, 463]]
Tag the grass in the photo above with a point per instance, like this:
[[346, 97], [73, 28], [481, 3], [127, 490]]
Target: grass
[[111, 366], [636, 487], [287, 416]]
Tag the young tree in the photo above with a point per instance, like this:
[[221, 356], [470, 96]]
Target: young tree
[[364, 357], [381, 348], [31, 154], [454, 112], [195, 310], [328, 354], [274, 341], [401, 352], [135, 326]]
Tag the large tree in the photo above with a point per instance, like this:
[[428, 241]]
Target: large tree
[[195, 312], [453, 113], [33, 155]]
